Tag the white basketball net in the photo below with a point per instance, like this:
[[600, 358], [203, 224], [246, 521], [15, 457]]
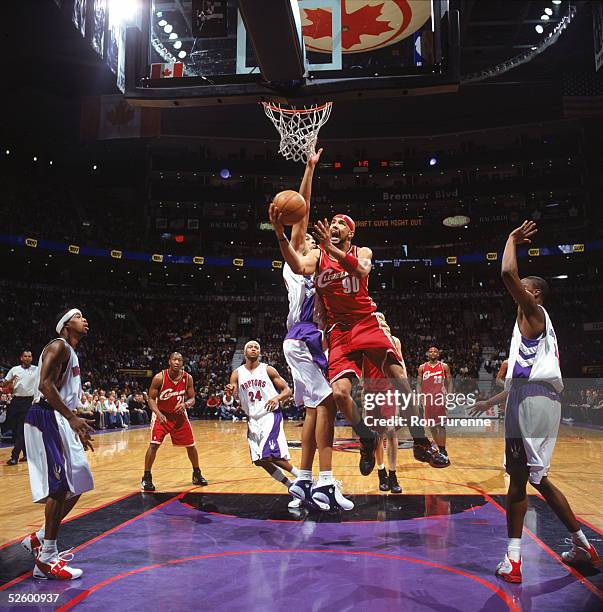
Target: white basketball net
[[298, 128]]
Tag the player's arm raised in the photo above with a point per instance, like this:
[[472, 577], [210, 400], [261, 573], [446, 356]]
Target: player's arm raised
[[299, 264], [510, 274], [232, 388], [56, 356], [299, 230], [153, 395], [281, 385], [357, 266]]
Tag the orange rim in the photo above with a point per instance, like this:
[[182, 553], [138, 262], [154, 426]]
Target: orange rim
[[293, 111]]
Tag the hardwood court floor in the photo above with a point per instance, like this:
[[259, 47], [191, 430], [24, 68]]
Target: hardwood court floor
[[117, 465]]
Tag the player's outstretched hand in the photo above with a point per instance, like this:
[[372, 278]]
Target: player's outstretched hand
[[229, 390], [478, 408], [523, 234], [272, 404], [275, 218], [322, 230], [313, 160], [82, 429]]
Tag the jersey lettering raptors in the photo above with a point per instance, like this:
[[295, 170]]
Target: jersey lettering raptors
[[345, 297], [171, 392], [434, 377], [255, 389]]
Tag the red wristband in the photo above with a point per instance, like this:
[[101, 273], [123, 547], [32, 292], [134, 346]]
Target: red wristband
[[350, 263]]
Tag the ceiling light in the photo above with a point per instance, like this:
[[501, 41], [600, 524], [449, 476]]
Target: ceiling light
[[162, 23], [173, 36], [544, 17], [178, 44], [548, 11], [182, 54], [168, 28], [556, 1], [539, 29]]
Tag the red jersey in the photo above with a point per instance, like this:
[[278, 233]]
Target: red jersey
[[171, 392], [434, 377], [344, 296]]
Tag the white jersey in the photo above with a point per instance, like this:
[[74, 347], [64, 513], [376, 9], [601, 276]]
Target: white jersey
[[70, 385], [300, 292], [255, 389], [535, 360]]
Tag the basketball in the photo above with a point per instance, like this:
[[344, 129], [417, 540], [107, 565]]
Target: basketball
[[292, 205]]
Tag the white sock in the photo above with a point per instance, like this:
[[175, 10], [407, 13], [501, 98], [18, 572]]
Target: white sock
[[295, 471], [325, 478], [280, 477], [381, 466], [304, 474], [40, 533], [49, 550], [579, 538], [514, 549]]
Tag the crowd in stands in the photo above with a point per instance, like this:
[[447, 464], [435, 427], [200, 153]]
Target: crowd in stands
[[131, 338]]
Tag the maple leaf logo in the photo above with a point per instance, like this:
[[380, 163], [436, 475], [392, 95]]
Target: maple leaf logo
[[361, 22], [166, 72], [120, 114]]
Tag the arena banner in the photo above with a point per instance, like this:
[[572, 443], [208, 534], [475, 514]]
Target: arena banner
[[387, 223], [598, 33], [593, 326], [420, 195], [99, 26], [110, 117], [136, 373], [78, 16]]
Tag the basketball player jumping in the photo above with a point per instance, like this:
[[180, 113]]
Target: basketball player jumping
[[56, 440], [171, 394], [353, 331], [305, 356], [532, 386], [435, 381], [261, 390], [375, 381]]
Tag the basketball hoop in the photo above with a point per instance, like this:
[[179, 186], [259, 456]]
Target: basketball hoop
[[298, 127]]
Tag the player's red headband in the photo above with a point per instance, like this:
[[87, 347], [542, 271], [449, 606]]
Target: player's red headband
[[348, 221]]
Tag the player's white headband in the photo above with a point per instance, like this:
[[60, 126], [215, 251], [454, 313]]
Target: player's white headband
[[66, 317], [250, 342]]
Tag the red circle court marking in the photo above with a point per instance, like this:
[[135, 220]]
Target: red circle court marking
[[492, 587]]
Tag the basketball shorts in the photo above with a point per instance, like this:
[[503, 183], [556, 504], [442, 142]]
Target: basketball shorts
[[56, 458], [349, 343], [266, 437], [531, 427], [310, 387], [177, 426], [435, 406]]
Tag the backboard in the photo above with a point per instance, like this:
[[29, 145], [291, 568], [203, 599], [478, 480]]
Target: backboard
[[353, 48]]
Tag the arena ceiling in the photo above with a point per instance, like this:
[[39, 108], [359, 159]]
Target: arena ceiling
[[57, 67]]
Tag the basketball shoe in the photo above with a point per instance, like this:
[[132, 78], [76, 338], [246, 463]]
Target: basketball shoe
[[367, 453], [294, 503], [430, 454], [56, 568], [147, 483], [383, 480], [302, 489], [198, 478], [392, 481], [329, 497], [32, 544], [578, 554], [509, 570]]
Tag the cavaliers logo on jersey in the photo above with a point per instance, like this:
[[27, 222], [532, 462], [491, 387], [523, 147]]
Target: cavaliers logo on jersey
[[328, 276], [168, 393]]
